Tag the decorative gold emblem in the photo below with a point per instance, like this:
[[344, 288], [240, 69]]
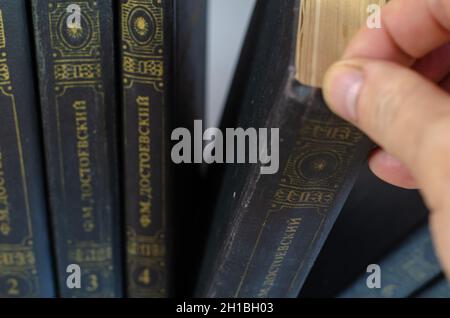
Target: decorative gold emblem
[[75, 37], [141, 26], [4, 72], [142, 42], [319, 165], [75, 32], [2, 33], [71, 42], [75, 49]]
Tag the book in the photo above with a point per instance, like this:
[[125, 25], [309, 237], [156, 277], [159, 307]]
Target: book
[[146, 35], [269, 229], [440, 288], [175, 90], [25, 253], [405, 270], [76, 68], [375, 218]]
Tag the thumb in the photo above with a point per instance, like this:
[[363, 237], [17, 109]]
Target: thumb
[[409, 117]]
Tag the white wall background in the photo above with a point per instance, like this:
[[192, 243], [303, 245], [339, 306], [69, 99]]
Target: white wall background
[[227, 25]]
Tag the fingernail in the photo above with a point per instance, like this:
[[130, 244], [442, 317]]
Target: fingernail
[[342, 88]]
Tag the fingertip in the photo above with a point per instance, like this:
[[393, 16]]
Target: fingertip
[[391, 170]]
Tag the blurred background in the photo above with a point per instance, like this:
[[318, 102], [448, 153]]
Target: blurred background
[[227, 25]]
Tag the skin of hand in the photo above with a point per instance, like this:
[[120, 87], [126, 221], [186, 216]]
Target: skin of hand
[[393, 83]]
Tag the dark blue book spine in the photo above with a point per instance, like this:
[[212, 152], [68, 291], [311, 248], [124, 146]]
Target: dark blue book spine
[[405, 270], [79, 114], [145, 37], [25, 258], [439, 289]]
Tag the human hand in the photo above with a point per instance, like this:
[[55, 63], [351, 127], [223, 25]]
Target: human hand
[[394, 83]]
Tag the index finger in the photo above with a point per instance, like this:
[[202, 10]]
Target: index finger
[[411, 29]]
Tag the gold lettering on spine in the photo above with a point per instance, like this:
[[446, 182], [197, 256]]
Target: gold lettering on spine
[[145, 184], [17, 255], [4, 69], [284, 245], [2, 32], [84, 162], [142, 34], [77, 72], [77, 64], [4, 72], [92, 254], [311, 179]]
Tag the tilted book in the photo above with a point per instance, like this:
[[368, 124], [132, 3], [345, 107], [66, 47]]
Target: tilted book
[[269, 229], [25, 258], [75, 58]]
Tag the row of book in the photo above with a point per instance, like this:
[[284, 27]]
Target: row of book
[[92, 206], [88, 95]]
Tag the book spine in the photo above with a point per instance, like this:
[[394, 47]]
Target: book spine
[[404, 271], [25, 258], [281, 223], [269, 229], [74, 44], [145, 55]]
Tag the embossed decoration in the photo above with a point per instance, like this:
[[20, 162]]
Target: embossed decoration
[[2, 32], [4, 72], [73, 37], [318, 166], [141, 24]]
